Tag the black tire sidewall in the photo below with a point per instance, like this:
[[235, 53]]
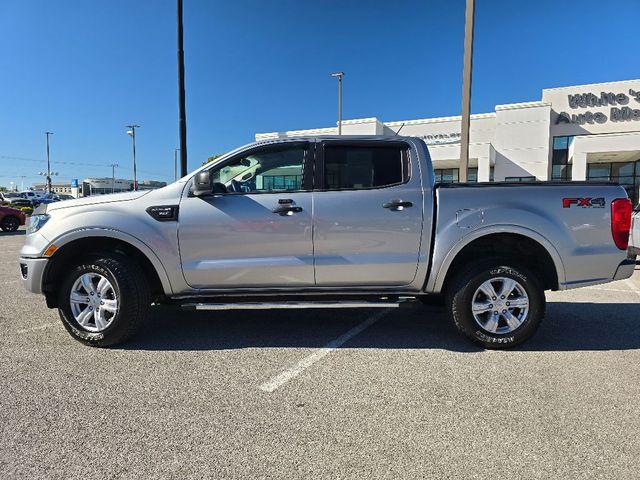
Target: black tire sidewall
[[461, 299], [126, 292], [12, 228]]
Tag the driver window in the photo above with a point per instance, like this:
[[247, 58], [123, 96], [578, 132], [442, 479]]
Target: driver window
[[263, 172]]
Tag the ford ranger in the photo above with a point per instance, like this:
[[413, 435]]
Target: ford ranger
[[326, 222]]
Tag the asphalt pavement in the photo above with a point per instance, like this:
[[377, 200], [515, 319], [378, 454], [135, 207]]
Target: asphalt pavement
[[320, 393]]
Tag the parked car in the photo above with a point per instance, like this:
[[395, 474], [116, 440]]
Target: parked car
[[634, 247], [14, 199], [46, 199], [354, 222], [63, 196], [11, 219]]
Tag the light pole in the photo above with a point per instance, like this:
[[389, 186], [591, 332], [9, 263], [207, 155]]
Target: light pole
[[22, 177], [466, 91], [132, 133], [339, 76], [113, 176], [182, 122], [48, 163], [175, 163]]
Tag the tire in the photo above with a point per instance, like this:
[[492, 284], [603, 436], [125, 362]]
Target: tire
[[519, 313], [10, 223], [102, 326]]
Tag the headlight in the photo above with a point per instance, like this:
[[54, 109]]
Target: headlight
[[36, 222]]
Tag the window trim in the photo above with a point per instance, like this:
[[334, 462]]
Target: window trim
[[405, 157], [307, 166]]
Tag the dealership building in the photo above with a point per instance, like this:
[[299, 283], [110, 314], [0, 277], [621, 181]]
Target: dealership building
[[584, 132]]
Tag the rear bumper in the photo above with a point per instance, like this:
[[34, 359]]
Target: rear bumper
[[625, 269], [32, 272], [634, 251]]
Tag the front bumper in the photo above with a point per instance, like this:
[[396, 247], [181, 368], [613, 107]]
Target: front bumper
[[32, 273]]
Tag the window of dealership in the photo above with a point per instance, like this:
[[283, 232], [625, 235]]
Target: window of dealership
[[584, 132]]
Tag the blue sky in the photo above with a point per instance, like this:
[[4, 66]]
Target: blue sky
[[85, 69]]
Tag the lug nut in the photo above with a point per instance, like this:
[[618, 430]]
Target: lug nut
[[508, 304], [495, 313], [491, 306], [504, 311], [493, 298], [502, 297]]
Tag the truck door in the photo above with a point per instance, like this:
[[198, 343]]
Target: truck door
[[257, 232], [367, 214]]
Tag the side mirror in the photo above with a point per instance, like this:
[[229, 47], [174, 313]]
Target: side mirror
[[203, 184]]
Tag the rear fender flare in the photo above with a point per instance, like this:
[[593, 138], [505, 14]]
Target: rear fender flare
[[436, 281]]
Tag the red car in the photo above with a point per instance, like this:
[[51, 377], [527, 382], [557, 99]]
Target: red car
[[11, 219]]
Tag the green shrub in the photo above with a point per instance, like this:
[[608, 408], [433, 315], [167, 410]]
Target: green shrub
[[26, 210]]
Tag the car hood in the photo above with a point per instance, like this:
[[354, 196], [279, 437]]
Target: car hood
[[95, 199]]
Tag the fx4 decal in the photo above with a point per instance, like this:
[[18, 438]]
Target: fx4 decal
[[583, 202]]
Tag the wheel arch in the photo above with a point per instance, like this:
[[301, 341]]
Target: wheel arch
[[530, 248], [85, 242]]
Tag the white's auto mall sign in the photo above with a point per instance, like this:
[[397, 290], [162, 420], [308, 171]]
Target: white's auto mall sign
[[621, 108]]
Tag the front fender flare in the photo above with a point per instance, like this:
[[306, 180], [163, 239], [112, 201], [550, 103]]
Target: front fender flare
[[81, 233]]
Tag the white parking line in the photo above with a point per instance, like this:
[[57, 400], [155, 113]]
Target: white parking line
[[40, 327], [289, 374]]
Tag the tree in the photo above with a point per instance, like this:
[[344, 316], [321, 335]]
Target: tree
[[212, 158]]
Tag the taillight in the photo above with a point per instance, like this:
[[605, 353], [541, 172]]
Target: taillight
[[621, 209]]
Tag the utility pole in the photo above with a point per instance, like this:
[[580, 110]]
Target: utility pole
[[22, 177], [48, 163], [113, 176], [132, 134], [181, 94], [175, 163], [339, 76], [466, 91]]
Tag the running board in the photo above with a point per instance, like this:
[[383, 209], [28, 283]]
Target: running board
[[288, 305]]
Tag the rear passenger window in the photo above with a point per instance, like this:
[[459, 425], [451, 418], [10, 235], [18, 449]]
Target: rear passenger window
[[355, 167]]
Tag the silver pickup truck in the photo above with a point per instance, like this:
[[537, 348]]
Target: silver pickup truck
[[326, 222]]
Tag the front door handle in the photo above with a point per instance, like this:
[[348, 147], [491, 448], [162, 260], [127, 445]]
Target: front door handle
[[286, 209], [397, 205]]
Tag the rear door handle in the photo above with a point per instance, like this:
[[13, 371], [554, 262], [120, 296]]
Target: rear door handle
[[397, 205], [286, 209]]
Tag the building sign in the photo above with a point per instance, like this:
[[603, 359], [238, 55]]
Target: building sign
[[441, 138], [619, 111]]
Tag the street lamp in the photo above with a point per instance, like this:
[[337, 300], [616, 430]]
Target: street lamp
[[132, 134], [339, 76], [48, 176], [48, 163], [113, 176]]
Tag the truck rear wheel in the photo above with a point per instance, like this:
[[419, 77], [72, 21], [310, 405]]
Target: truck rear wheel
[[496, 303], [104, 300]]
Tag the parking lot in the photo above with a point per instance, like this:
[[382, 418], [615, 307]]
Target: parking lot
[[321, 394]]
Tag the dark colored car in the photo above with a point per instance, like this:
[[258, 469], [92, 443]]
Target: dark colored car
[[46, 199], [11, 219]]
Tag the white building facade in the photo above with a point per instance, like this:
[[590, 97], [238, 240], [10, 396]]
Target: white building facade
[[584, 132]]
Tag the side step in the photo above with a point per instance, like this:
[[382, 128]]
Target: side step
[[293, 305]]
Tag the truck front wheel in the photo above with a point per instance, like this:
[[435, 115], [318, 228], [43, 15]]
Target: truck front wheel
[[104, 300], [497, 304]]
